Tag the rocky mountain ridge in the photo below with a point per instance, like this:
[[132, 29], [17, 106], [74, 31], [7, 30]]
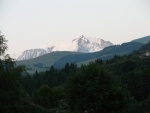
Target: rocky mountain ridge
[[82, 44]]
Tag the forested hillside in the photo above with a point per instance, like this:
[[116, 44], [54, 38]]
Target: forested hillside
[[60, 58], [118, 85]]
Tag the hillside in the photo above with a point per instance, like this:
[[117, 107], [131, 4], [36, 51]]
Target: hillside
[[143, 40], [82, 44], [105, 54], [59, 59], [42, 63], [120, 84], [145, 48]]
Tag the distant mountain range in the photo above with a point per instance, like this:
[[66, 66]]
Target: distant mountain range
[[59, 58], [82, 44]]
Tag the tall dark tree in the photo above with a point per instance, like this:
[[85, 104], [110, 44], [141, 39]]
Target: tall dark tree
[[10, 90], [3, 44], [43, 96], [94, 90]]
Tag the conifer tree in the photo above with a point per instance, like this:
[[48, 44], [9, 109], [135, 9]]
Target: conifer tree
[[10, 90]]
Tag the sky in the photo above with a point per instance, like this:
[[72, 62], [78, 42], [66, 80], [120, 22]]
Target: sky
[[28, 24]]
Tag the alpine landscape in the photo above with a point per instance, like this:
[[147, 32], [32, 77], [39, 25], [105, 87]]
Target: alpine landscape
[[48, 66]]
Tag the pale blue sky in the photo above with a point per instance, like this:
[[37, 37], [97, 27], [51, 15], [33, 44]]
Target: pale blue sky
[[32, 23]]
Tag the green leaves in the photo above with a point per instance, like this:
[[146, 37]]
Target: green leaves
[[10, 90], [43, 96], [94, 89], [3, 44], [47, 97]]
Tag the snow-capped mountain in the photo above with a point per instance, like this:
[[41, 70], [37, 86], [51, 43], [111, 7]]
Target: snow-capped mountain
[[87, 44], [31, 53], [82, 44]]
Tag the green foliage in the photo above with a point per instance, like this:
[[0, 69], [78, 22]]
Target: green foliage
[[11, 93], [95, 90], [49, 98], [3, 44], [119, 85], [58, 97], [43, 96]]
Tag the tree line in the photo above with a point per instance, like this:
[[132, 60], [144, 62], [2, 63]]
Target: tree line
[[119, 85]]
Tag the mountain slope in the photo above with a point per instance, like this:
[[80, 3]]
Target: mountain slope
[[105, 54], [82, 44], [31, 53], [59, 59], [143, 40], [88, 44], [43, 62], [145, 48]]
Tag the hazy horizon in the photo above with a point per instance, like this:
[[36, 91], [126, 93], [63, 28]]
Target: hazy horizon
[[28, 24]]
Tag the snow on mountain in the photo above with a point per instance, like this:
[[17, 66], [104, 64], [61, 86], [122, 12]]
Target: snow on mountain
[[31, 53], [82, 44], [88, 44]]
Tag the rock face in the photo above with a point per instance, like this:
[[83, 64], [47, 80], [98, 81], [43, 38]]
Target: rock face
[[82, 44], [86, 44], [31, 53]]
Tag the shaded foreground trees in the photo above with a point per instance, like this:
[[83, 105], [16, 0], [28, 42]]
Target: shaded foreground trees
[[90, 89], [10, 90], [3, 44], [119, 85], [95, 90]]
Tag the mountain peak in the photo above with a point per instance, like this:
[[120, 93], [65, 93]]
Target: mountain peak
[[81, 40], [82, 44], [31, 53]]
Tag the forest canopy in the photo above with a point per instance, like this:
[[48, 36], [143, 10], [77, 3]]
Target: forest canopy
[[119, 85]]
